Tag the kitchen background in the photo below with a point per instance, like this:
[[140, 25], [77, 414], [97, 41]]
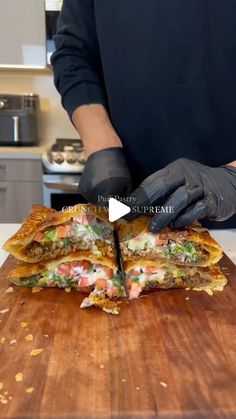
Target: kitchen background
[[44, 172]]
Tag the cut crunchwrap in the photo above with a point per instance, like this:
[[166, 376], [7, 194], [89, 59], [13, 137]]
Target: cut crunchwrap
[[47, 234], [146, 274], [190, 246]]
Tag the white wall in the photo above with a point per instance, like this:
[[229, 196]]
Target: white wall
[[53, 120]]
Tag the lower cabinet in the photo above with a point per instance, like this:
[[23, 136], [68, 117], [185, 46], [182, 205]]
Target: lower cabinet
[[17, 196]]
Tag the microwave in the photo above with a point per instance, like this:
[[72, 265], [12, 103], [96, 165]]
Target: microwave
[[52, 10]]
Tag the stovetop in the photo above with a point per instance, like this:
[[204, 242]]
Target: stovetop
[[65, 156]]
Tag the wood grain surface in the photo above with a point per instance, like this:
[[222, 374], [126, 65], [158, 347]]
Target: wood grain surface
[[164, 356]]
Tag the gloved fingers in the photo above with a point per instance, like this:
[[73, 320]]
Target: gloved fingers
[[154, 189], [179, 200], [201, 209]]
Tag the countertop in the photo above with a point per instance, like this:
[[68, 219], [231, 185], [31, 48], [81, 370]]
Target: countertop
[[226, 239], [19, 152]]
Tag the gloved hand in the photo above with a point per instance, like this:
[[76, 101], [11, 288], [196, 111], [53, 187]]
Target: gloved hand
[[106, 173], [194, 190]]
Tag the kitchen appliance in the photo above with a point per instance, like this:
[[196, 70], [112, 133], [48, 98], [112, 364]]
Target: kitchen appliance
[[18, 119], [52, 10], [63, 165]]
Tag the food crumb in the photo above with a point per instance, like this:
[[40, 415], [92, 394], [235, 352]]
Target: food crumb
[[92, 355], [163, 384], [5, 393], [19, 377], [46, 336], [137, 388], [29, 338], [101, 366], [36, 289], [187, 298], [29, 390], [5, 310], [23, 324], [123, 380], [36, 352], [9, 290], [68, 289], [187, 289], [12, 342], [1, 386], [3, 400], [3, 340], [10, 397]]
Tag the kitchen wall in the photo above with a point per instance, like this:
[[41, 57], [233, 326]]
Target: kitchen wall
[[53, 120]]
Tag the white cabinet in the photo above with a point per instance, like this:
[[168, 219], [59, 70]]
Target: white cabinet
[[22, 33], [20, 187]]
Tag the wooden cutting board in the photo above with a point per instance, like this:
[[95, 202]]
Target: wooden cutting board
[[164, 356]]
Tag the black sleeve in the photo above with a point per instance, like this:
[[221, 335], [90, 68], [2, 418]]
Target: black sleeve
[[76, 61]]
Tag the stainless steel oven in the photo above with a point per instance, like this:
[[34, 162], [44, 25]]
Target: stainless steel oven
[[60, 190]]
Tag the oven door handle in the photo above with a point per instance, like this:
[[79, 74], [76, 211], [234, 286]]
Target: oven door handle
[[68, 187]]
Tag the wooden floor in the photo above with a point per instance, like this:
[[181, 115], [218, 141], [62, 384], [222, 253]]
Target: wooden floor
[[164, 356]]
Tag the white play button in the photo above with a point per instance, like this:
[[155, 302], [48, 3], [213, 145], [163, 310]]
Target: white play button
[[117, 209]]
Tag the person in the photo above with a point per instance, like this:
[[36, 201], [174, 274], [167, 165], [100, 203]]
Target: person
[[151, 88]]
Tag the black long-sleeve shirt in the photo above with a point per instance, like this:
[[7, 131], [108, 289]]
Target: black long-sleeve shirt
[[165, 70]]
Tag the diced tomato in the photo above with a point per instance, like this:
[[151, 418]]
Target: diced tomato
[[63, 269], [135, 290], [128, 283], [112, 292], [39, 237], [150, 269], [84, 281], [108, 271], [51, 283], [85, 264], [63, 231], [134, 271], [101, 283]]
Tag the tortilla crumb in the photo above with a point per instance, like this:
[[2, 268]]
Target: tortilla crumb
[[12, 342], [3, 399], [19, 377], [23, 324], [1, 386], [137, 388], [68, 289], [123, 380], [29, 338], [101, 366], [5, 310], [3, 340], [187, 289], [9, 290], [10, 398], [163, 384], [36, 289], [36, 352], [46, 336], [29, 390], [187, 298]]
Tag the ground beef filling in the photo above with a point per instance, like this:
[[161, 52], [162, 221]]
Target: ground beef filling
[[158, 251], [51, 250], [170, 282]]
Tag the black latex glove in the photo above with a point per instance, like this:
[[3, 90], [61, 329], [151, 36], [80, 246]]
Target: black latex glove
[[106, 173], [194, 190]]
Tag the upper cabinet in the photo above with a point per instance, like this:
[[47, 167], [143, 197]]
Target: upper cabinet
[[22, 34]]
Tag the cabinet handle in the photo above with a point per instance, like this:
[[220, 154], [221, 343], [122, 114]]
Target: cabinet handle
[[16, 129]]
